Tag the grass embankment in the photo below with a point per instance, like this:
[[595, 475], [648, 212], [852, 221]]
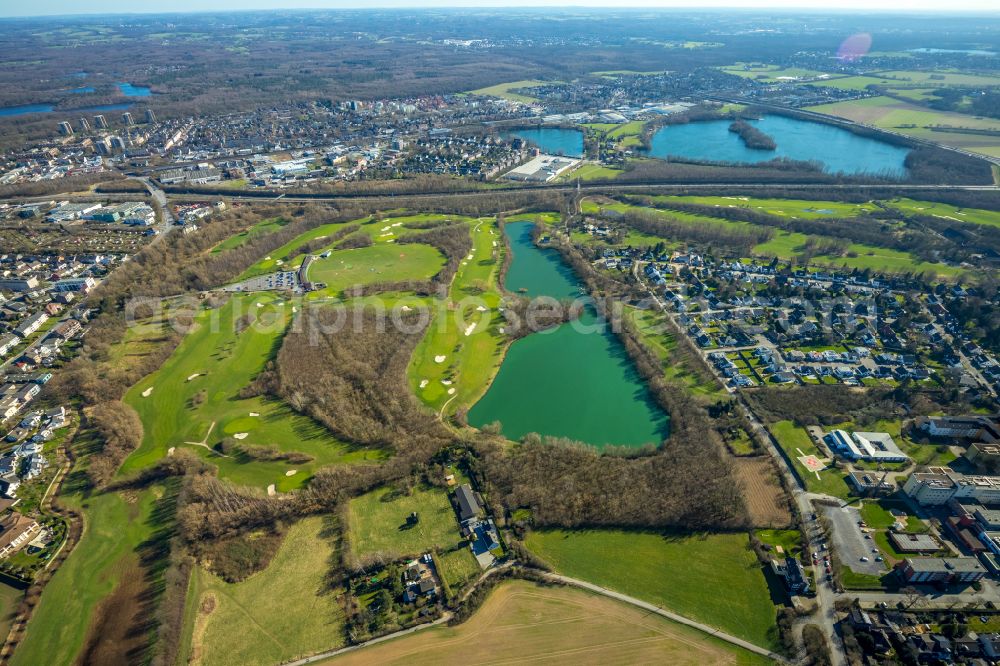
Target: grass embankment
[[377, 523], [285, 612], [713, 579], [452, 352], [199, 385], [554, 625]]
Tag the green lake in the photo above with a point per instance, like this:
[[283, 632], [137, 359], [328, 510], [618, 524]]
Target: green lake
[[573, 381]]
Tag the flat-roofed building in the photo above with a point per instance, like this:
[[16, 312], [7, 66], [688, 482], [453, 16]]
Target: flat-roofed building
[[930, 488], [914, 543], [930, 570], [870, 446]]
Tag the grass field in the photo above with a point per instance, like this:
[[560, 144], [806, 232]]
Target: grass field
[[714, 579], [787, 245], [376, 263], [215, 362], [116, 525], [285, 258], [458, 567], [262, 228], [377, 523], [793, 439], [769, 73], [651, 327], [285, 612], [948, 212], [940, 78], [9, 599], [592, 172], [917, 121], [471, 356], [554, 625], [504, 90]]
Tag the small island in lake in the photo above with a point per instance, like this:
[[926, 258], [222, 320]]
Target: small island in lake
[[752, 137]]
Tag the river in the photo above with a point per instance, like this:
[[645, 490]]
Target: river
[[573, 381]]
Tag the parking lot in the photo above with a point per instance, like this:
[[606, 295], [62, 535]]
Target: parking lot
[[271, 281], [849, 541]]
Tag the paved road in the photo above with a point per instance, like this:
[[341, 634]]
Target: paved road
[[826, 615]]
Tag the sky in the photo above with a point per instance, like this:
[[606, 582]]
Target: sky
[[57, 7]]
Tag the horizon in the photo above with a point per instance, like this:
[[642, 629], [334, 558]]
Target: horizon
[[70, 9]]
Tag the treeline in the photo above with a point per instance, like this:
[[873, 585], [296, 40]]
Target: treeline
[[877, 229], [570, 485], [739, 241], [74, 183], [752, 137], [119, 430], [524, 316], [453, 241]]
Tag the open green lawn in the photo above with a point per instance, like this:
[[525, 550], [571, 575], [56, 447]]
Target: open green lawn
[[116, 525], [789, 540], [505, 90], [262, 228], [285, 612], [946, 211], [471, 357], [215, 362], [793, 208], [592, 172], [285, 257], [794, 439], [377, 263], [458, 567], [877, 516], [714, 579], [377, 523], [10, 598], [769, 73], [652, 328]]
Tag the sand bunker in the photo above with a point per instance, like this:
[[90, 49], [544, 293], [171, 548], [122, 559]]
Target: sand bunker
[[291, 472], [190, 377], [451, 391], [270, 490], [170, 451], [446, 382], [424, 383], [469, 329], [439, 359], [254, 414], [147, 392], [480, 309], [241, 435], [260, 305], [406, 308]]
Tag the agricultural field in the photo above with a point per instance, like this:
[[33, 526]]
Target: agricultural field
[[549, 624], [193, 400], [939, 78], [505, 90], [767, 502], [714, 579], [918, 121], [377, 523], [453, 364], [285, 612]]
